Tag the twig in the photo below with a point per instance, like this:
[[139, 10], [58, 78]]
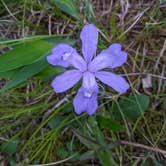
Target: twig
[[107, 11], [104, 36], [49, 24], [137, 17], [161, 54], [65, 99], [153, 75], [3, 139], [62, 101], [160, 82], [124, 7], [11, 14], [157, 150]]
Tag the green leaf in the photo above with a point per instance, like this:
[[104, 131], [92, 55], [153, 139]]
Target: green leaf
[[62, 153], [67, 6], [89, 12], [39, 66], [97, 133], [131, 107], [55, 121], [106, 158], [103, 152], [25, 73], [50, 71], [12, 162], [89, 155], [24, 54], [9, 74], [88, 142], [110, 124], [9, 147]]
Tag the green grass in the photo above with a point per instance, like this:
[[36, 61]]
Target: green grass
[[38, 126]]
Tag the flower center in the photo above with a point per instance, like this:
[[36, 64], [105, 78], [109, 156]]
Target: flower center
[[87, 94], [66, 55]]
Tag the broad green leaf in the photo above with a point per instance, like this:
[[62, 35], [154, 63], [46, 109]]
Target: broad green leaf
[[12, 161], [131, 107], [97, 133], [40, 66], [106, 158], [25, 73], [110, 124], [50, 71], [62, 153], [67, 6], [24, 54], [89, 155], [103, 153], [88, 142], [8, 74], [55, 121], [9, 147]]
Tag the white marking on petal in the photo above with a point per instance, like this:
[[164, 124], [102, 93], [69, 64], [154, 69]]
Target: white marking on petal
[[87, 94], [66, 56]]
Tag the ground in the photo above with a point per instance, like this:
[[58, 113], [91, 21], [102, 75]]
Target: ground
[[38, 126]]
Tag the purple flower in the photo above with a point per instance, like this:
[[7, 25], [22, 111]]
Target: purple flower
[[88, 68]]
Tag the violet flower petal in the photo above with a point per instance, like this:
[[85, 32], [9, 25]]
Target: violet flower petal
[[102, 61], [89, 37], [118, 57], [117, 82], [66, 80], [80, 103], [78, 62], [89, 83], [60, 55], [85, 104], [92, 105]]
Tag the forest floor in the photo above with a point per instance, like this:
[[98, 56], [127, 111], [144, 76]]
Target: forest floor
[[40, 127]]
